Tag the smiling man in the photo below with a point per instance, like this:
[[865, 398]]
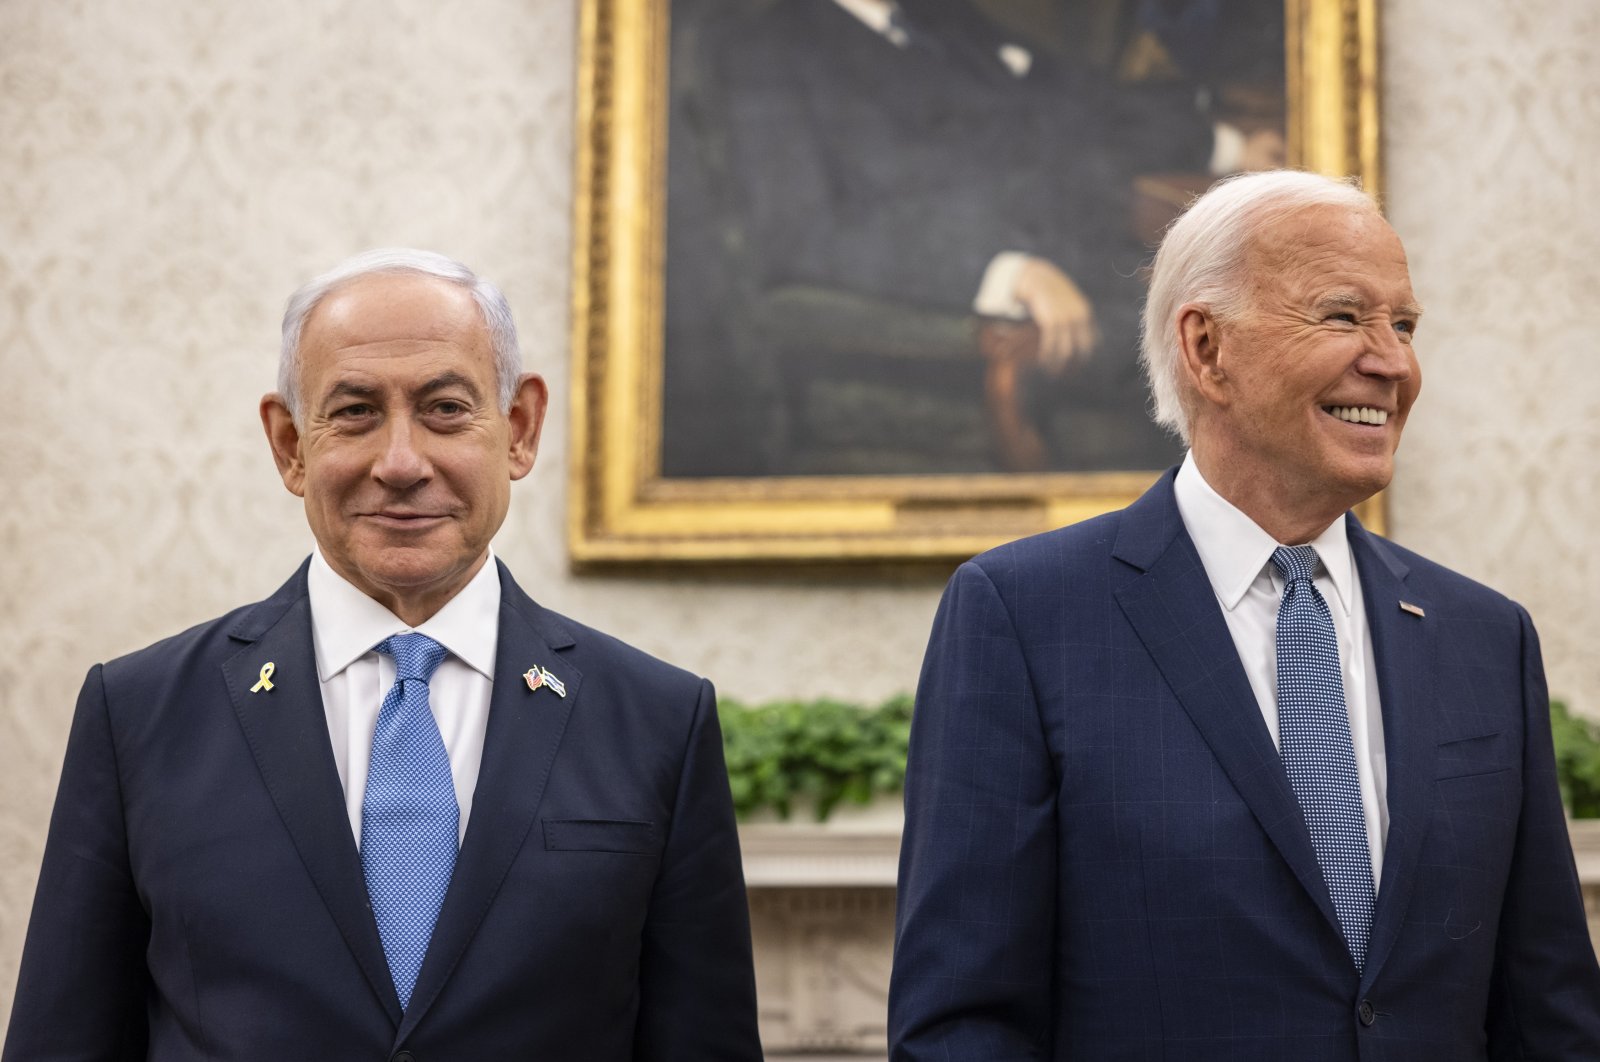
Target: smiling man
[[397, 810], [1224, 775]]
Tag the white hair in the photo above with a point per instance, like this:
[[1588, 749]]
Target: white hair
[[1201, 260], [491, 304]]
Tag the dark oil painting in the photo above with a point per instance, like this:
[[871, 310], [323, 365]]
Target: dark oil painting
[[910, 238]]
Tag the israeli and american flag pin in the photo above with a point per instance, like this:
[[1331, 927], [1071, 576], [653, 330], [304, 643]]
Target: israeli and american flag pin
[[540, 678]]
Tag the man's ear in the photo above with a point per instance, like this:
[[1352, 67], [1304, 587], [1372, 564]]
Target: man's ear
[[527, 422], [1199, 352], [284, 438]]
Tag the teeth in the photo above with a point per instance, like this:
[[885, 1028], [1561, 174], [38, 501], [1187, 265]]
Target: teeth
[[1359, 414]]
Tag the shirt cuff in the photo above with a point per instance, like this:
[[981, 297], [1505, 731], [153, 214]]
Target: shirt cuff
[[1227, 149], [997, 292]]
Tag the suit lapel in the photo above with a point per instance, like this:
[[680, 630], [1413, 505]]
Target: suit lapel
[[1403, 647], [1174, 611], [287, 732], [519, 745]]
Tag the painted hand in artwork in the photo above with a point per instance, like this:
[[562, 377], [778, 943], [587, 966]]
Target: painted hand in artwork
[[1264, 149], [1063, 314]]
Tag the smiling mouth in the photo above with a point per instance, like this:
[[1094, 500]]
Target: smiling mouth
[[402, 519], [1358, 414]]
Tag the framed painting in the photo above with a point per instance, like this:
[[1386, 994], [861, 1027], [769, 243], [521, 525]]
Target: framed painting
[[859, 280]]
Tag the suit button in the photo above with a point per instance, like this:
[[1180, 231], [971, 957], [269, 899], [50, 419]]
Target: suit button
[[1365, 1013], [404, 1056]]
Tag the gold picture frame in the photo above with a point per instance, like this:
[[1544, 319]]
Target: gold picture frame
[[623, 510]]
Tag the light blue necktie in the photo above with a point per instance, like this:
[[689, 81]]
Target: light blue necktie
[[409, 816], [1314, 740]]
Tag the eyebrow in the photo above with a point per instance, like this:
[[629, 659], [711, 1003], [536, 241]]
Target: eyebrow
[[450, 379], [346, 389], [1344, 300], [352, 389]]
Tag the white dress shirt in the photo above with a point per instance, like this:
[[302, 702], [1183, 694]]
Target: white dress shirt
[[1237, 555], [346, 624]]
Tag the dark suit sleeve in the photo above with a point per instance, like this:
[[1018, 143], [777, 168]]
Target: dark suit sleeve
[[976, 918], [696, 982], [1545, 999], [81, 991]]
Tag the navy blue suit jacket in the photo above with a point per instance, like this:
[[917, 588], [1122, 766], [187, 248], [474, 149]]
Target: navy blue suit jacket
[[1103, 858], [202, 895]]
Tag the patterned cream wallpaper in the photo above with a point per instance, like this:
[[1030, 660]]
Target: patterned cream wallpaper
[[1493, 139], [170, 169]]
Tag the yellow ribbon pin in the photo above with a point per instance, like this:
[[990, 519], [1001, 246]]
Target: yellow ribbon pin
[[265, 682]]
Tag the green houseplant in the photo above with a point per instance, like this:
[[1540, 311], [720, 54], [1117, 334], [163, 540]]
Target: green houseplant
[[1577, 742], [823, 752], [818, 753]]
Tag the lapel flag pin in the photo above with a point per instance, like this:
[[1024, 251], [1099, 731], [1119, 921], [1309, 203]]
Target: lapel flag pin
[[265, 681], [540, 678], [1415, 610]]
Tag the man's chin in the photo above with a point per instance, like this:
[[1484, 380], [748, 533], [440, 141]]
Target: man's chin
[[1362, 479], [406, 569]]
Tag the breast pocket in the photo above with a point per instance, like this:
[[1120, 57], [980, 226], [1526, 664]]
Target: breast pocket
[[1471, 838], [1469, 756], [625, 836]]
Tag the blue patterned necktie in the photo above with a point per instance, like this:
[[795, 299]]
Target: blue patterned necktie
[[1314, 740], [409, 816]]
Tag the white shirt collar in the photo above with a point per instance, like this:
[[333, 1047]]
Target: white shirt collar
[[346, 623], [878, 15], [1235, 550]]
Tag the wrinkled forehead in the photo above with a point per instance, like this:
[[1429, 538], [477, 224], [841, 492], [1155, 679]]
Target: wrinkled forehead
[[387, 308], [1326, 241]]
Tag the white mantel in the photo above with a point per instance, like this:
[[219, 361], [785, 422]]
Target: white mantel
[[822, 915], [860, 847]]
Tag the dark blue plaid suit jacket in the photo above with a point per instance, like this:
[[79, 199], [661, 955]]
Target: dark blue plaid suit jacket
[[1103, 859]]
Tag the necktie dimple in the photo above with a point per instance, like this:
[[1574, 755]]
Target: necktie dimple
[[1318, 753], [409, 816]]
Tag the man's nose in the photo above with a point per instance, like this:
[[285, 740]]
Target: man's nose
[[1388, 355], [401, 463]]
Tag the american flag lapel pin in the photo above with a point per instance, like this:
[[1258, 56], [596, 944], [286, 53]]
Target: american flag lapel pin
[[1415, 610], [539, 678]]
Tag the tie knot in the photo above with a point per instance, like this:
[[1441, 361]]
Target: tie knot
[[1296, 563], [416, 656]]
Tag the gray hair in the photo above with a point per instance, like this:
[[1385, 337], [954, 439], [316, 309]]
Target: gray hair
[[1201, 259], [491, 304]]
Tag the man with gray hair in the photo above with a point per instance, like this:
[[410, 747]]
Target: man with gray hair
[[1224, 775], [398, 809]]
